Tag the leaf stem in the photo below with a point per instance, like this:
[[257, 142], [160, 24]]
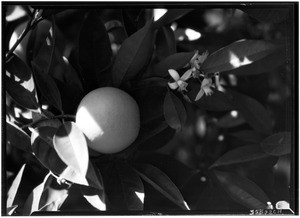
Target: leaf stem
[[68, 116]]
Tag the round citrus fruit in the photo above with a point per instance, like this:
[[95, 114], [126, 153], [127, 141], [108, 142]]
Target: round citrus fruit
[[110, 119]]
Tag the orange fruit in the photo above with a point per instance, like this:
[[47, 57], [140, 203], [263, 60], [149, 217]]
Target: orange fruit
[[109, 118]]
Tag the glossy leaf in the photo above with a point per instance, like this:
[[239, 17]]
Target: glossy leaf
[[94, 177], [272, 15], [12, 192], [16, 137], [229, 121], [55, 123], [237, 54], [174, 111], [242, 190], [134, 54], [47, 86], [19, 83], [33, 201], [43, 148], [177, 171], [162, 183], [218, 101], [170, 16], [165, 42], [264, 65], [174, 61], [95, 201], [71, 146], [95, 53], [10, 210], [240, 155], [277, 144], [253, 112], [123, 187]]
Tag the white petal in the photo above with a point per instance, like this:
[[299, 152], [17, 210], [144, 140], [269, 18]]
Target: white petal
[[199, 95], [207, 90], [173, 85], [174, 74], [187, 75]]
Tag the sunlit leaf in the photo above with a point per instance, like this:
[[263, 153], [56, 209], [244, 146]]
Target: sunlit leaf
[[134, 54], [95, 54], [162, 183], [95, 201], [10, 210], [16, 137], [123, 187], [33, 201], [237, 54], [174, 111], [47, 86], [171, 16], [175, 61], [253, 112], [264, 65], [14, 188], [242, 190], [165, 42], [277, 144], [43, 148], [71, 147], [240, 155], [19, 83]]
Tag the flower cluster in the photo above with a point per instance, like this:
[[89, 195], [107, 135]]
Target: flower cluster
[[180, 83]]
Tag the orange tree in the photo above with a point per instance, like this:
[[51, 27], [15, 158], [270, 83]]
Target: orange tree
[[211, 129]]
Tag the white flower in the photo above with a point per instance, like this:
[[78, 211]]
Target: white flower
[[205, 88], [197, 60], [179, 82]]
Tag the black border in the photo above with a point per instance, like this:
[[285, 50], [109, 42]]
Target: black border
[[294, 54]]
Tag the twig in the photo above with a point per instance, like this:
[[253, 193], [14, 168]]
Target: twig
[[45, 119]]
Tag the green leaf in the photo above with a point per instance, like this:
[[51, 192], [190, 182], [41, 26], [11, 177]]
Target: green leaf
[[277, 144], [253, 112], [33, 201], [47, 86], [95, 54], [229, 121], [175, 61], [264, 65], [165, 42], [174, 111], [71, 146], [242, 190], [134, 54], [10, 210], [178, 172], [12, 192], [94, 177], [16, 137], [96, 201], [240, 155], [272, 15], [19, 83], [170, 16], [45, 197], [43, 148], [247, 136], [162, 183], [237, 54], [218, 101], [124, 188]]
